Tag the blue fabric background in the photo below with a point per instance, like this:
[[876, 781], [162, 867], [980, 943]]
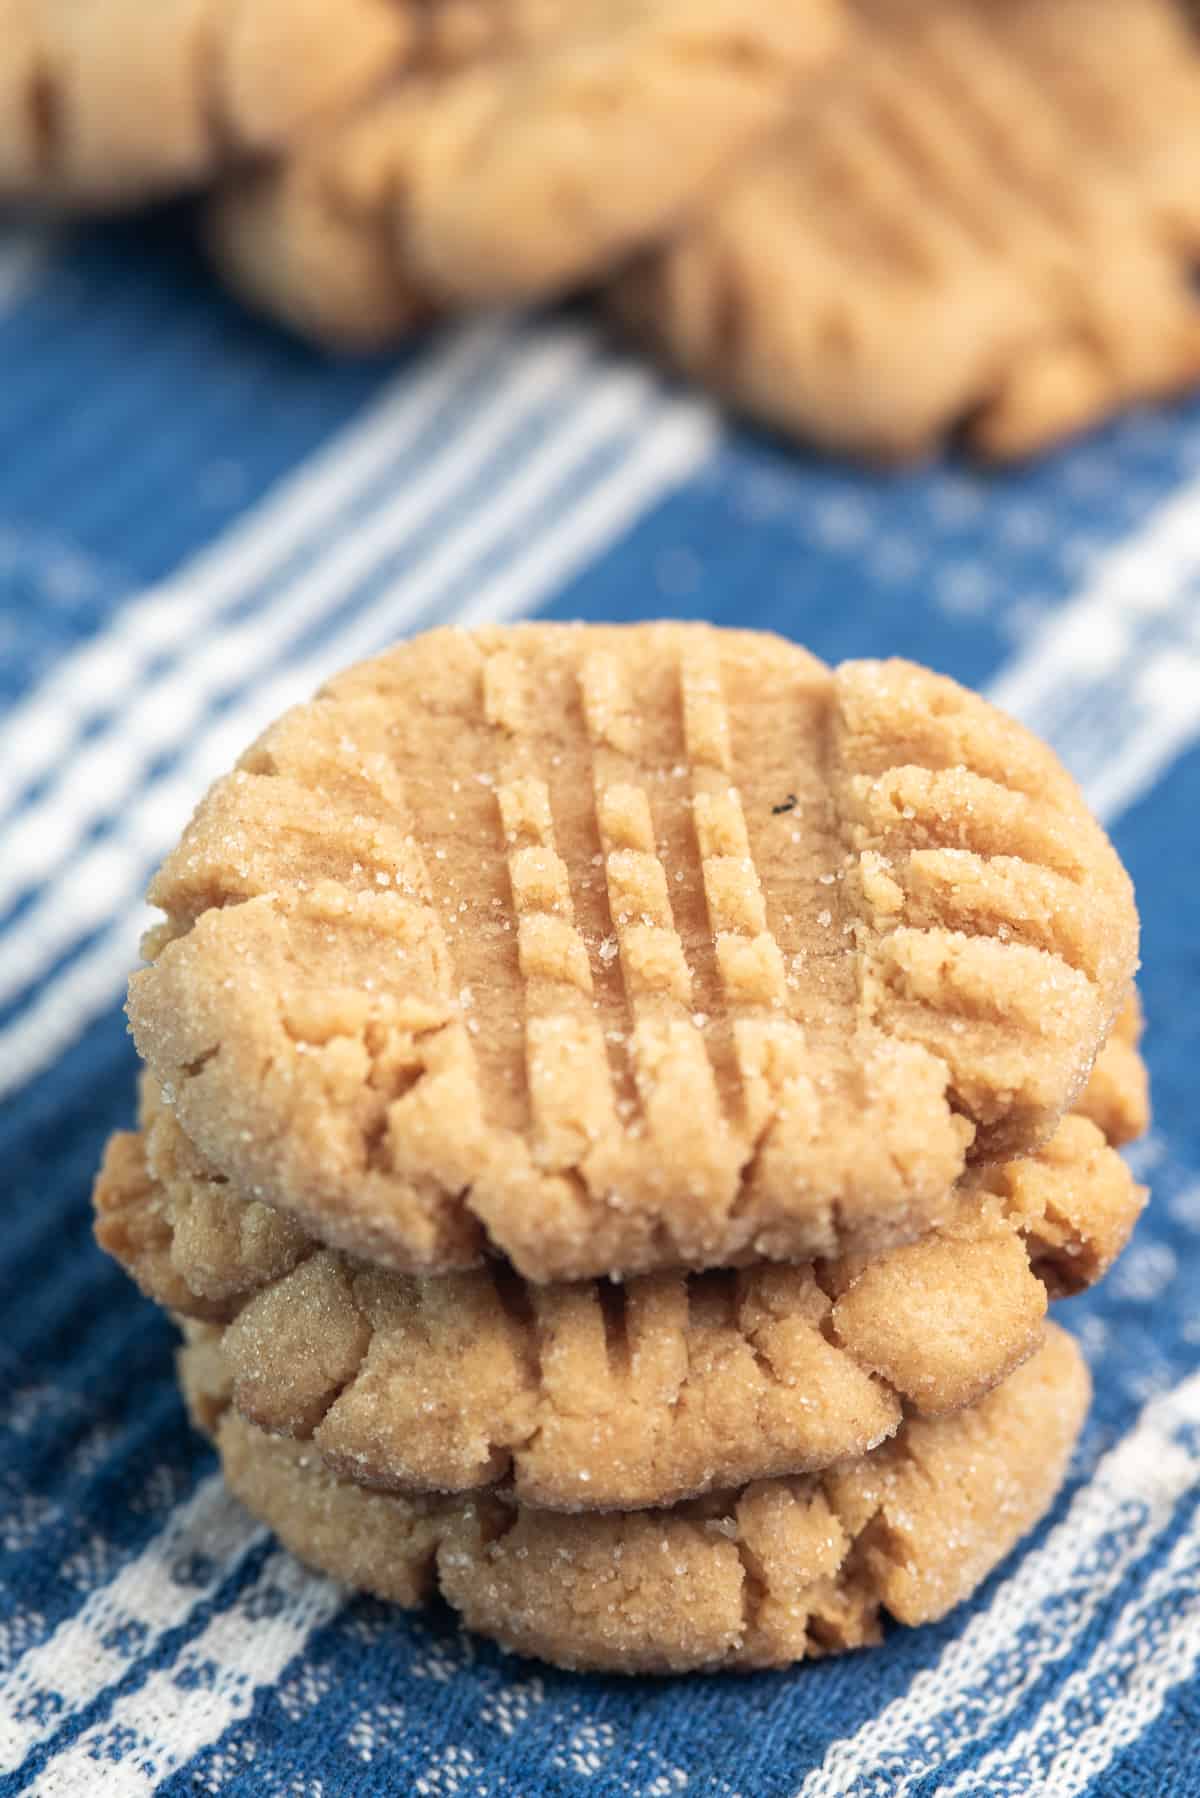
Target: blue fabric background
[[142, 421]]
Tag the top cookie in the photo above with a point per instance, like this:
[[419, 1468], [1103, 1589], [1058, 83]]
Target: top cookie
[[617, 949]]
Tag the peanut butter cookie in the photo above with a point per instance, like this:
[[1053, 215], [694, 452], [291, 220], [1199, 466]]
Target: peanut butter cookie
[[906, 257], [104, 102], [538, 146], [615, 949]]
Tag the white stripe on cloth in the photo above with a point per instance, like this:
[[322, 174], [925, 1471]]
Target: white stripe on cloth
[[651, 448], [1112, 679], [1034, 1618], [1108, 1702], [183, 1708], [1166, 692], [183, 1564], [293, 519], [333, 527]]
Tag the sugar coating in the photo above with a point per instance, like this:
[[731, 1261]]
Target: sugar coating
[[467, 954], [771, 1574], [536, 147], [103, 102], [597, 1396], [898, 210]]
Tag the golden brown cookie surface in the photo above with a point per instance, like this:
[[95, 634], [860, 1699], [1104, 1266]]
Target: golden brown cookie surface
[[616, 949], [901, 210], [596, 1396], [106, 101], [763, 1577], [544, 144]]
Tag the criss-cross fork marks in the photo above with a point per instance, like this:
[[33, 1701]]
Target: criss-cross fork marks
[[700, 1024], [572, 1094], [412, 1069], [566, 1059], [672, 1065], [769, 1044], [996, 924], [305, 889]]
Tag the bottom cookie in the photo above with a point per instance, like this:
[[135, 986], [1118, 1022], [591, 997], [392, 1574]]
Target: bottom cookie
[[780, 1571]]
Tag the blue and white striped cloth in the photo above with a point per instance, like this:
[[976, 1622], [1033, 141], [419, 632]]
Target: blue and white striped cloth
[[198, 521]]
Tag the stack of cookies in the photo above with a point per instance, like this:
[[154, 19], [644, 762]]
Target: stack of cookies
[[617, 1103], [791, 199]]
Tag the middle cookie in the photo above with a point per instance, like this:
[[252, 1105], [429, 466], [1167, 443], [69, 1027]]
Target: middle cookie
[[597, 1395]]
